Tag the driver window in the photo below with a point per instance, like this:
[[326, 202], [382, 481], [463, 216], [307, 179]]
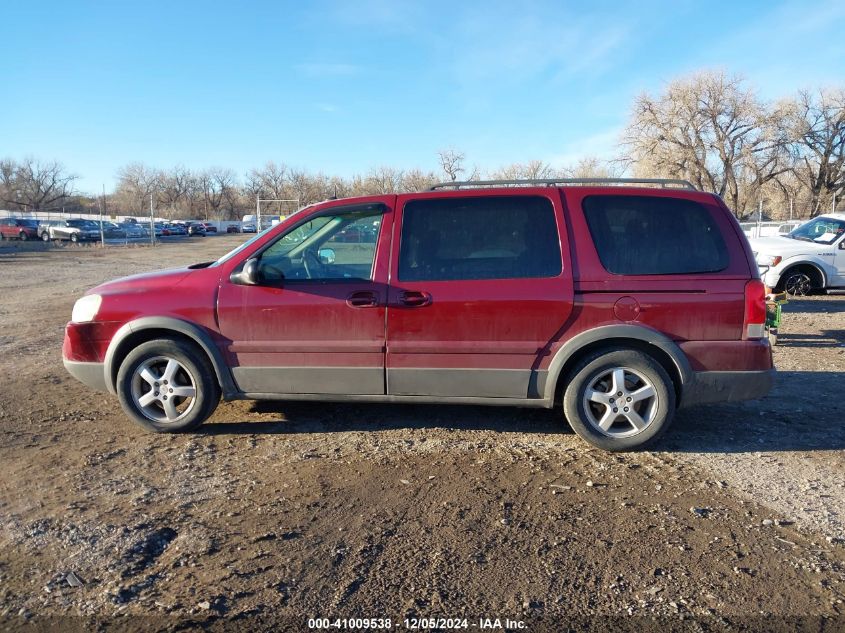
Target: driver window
[[329, 247]]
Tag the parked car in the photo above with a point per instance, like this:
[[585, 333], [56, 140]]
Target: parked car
[[233, 228], [112, 230], [177, 229], [18, 228], [195, 228], [248, 228], [135, 230], [809, 258], [209, 228], [74, 229], [620, 303]]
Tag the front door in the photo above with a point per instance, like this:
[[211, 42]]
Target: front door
[[839, 262], [315, 322], [478, 292]]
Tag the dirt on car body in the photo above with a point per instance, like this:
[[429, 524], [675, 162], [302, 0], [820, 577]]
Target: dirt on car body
[[275, 513]]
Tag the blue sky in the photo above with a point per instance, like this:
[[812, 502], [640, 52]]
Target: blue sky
[[342, 87]]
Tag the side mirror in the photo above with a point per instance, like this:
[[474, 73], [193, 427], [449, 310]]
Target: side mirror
[[247, 275], [326, 255]]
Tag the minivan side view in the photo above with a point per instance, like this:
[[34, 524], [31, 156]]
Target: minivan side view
[[620, 300]]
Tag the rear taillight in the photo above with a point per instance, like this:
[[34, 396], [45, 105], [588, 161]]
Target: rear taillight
[[754, 324]]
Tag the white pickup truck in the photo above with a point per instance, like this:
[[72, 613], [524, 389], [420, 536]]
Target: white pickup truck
[[810, 258]]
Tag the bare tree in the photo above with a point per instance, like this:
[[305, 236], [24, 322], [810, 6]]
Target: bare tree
[[135, 184], [417, 180], [710, 129], [593, 167], [817, 123], [452, 163], [33, 184], [176, 191], [270, 181], [532, 170], [382, 180], [218, 186]]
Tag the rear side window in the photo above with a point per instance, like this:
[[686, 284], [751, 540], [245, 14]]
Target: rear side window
[[508, 237], [643, 235]]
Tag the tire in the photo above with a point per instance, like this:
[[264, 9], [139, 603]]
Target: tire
[[23, 236], [74, 238], [798, 282], [153, 359], [598, 374], [45, 236]]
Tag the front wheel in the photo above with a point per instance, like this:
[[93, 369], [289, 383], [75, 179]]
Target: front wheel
[[23, 236], [619, 400], [74, 238], [798, 283], [167, 386], [45, 236]]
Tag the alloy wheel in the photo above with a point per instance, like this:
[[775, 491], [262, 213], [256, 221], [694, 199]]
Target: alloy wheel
[[798, 284], [620, 402], [163, 389]]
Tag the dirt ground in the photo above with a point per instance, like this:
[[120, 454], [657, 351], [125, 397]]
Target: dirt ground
[[272, 514]]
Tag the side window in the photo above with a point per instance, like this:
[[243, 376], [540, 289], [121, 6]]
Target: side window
[[647, 235], [329, 247], [489, 237]]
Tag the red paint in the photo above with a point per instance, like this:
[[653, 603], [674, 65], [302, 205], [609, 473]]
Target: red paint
[[499, 324]]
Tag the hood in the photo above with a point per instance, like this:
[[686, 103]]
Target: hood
[[786, 246], [142, 282]]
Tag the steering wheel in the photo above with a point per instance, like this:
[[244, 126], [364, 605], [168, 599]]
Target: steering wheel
[[311, 262]]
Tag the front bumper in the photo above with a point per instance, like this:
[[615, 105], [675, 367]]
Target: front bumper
[[727, 386], [91, 374]]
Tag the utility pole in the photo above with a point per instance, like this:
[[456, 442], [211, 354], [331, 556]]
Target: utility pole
[[102, 204], [152, 224], [258, 213]]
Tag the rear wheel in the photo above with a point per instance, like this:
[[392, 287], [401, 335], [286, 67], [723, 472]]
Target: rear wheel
[[74, 238], [24, 237], [45, 236], [619, 400], [167, 386]]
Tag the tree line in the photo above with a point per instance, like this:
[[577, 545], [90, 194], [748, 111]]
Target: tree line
[[710, 128]]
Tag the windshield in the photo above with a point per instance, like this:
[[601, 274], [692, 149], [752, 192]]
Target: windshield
[[237, 250], [293, 240], [820, 231]]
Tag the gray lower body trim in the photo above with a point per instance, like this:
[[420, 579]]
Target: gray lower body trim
[[310, 380], [465, 383], [326, 397], [91, 374], [726, 386]]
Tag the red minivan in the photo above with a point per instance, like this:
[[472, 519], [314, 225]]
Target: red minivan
[[620, 302]]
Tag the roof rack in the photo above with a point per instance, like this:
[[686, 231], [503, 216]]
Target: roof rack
[[665, 183]]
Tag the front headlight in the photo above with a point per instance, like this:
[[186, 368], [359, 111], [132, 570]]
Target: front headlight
[[85, 309], [769, 260]]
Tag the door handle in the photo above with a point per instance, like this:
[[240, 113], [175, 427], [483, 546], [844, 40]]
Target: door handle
[[362, 299], [414, 298]]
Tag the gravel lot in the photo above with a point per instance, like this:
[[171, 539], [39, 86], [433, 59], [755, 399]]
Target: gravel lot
[[274, 513]]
